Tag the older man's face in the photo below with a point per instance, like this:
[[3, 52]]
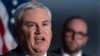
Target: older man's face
[[75, 35], [35, 31]]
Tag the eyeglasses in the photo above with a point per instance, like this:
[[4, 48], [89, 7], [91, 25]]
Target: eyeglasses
[[71, 32]]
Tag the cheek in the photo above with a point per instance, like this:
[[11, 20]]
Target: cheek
[[23, 37], [67, 38], [29, 38], [30, 35], [48, 34], [80, 42], [27, 34]]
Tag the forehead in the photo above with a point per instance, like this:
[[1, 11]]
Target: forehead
[[37, 14], [78, 25]]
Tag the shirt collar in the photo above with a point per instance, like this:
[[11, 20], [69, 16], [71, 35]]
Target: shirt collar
[[45, 54], [66, 54]]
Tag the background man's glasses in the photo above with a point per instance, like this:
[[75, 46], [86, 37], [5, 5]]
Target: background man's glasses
[[71, 32]]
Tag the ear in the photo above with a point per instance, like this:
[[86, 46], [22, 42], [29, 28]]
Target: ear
[[16, 32], [62, 33], [85, 40]]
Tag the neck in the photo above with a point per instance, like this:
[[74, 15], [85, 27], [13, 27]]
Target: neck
[[35, 55], [72, 53], [38, 54]]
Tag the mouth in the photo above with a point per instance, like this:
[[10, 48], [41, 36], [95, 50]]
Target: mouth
[[39, 40]]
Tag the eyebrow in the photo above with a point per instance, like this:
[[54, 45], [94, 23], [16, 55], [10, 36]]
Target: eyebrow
[[35, 23], [67, 29], [45, 21], [30, 22]]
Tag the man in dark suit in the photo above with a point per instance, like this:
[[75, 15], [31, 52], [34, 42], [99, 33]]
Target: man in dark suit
[[74, 36], [33, 30]]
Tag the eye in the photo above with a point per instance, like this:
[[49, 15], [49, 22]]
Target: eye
[[45, 24], [29, 25], [82, 34]]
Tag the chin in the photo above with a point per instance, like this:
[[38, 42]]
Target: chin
[[41, 49], [74, 49]]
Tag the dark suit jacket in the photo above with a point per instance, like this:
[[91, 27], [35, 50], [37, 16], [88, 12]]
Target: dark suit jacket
[[58, 52], [19, 52]]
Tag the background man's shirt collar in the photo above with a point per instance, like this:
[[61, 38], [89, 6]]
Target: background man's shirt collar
[[66, 54]]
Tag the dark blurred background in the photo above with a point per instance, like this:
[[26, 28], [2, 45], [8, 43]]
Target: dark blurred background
[[61, 10]]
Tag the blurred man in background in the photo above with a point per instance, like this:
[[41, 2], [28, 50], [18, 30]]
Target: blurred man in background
[[74, 36]]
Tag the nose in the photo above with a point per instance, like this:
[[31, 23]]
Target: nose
[[38, 30], [73, 36]]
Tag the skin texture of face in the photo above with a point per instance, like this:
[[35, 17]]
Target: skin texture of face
[[75, 36], [35, 32]]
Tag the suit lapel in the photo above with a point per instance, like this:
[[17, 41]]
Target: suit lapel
[[19, 51]]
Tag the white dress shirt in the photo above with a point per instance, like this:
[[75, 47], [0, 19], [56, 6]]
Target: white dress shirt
[[43, 55], [66, 54]]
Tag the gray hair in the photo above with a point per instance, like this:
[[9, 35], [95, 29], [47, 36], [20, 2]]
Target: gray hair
[[19, 11]]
